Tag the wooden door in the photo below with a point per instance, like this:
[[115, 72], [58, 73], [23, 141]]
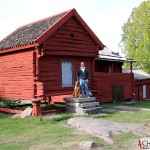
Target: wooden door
[[117, 92]]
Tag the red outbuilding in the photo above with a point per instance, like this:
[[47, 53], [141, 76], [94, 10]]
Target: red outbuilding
[[141, 84], [40, 60]]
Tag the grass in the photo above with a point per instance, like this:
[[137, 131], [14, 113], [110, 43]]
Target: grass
[[127, 117], [143, 104], [35, 133], [127, 141]]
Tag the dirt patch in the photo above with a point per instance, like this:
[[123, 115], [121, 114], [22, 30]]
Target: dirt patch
[[105, 128]]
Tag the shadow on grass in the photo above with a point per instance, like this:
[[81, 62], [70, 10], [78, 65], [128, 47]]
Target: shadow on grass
[[52, 107], [63, 117]]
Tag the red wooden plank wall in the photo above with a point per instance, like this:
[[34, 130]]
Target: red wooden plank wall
[[62, 44], [16, 75], [50, 72], [103, 83], [138, 86]]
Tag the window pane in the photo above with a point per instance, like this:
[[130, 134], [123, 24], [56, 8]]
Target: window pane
[[144, 91], [67, 73]]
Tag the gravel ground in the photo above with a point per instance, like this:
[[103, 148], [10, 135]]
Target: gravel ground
[[105, 128]]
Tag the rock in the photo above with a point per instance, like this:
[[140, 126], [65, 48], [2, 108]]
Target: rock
[[95, 110], [16, 116], [87, 145], [26, 112], [104, 129]]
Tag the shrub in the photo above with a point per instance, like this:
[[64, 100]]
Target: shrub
[[7, 103]]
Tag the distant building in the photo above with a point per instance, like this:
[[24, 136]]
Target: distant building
[[141, 84]]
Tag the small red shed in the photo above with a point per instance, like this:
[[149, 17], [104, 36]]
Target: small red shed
[[141, 84], [40, 60]]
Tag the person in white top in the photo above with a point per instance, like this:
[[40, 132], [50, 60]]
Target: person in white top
[[83, 78]]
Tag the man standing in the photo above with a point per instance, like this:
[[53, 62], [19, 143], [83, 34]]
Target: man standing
[[83, 75]]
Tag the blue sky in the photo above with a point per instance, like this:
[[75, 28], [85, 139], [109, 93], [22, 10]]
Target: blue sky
[[105, 17]]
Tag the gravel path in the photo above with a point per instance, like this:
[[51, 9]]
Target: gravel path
[[105, 128]]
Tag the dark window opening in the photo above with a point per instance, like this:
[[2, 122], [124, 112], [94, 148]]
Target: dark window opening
[[72, 36]]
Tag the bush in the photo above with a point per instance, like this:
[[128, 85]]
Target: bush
[[7, 103]]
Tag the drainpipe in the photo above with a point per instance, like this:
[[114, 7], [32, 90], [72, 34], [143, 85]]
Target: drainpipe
[[132, 74]]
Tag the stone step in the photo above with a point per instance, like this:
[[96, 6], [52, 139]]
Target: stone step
[[82, 104], [92, 110], [76, 110], [89, 104], [78, 100]]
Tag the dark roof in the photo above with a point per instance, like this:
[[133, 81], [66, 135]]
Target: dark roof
[[37, 32], [28, 33], [138, 74]]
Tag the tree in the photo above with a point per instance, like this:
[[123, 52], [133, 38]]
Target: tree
[[135, 41]]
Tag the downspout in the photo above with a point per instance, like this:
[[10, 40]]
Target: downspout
[[133, 90]]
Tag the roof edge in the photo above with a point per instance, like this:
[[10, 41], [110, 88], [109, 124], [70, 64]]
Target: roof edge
[[18, 48]]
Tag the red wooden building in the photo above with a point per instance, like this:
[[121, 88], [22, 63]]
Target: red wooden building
[[40, 60], [141, 84]]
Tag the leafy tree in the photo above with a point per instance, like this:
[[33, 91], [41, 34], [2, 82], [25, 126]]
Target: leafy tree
[[135, 41]]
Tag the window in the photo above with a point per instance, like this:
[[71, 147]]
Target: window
[[110, 69], [67, 73], [144, 91]]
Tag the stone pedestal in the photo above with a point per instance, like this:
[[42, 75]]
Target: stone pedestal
[[82, 105], [36, 108]]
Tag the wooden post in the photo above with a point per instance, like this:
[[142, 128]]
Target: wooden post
[[112, 67], [131, 67], [133, 90], [36, 108]]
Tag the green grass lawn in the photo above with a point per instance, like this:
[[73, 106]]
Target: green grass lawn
[[143, 104], [127, 117], [34, 133]]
